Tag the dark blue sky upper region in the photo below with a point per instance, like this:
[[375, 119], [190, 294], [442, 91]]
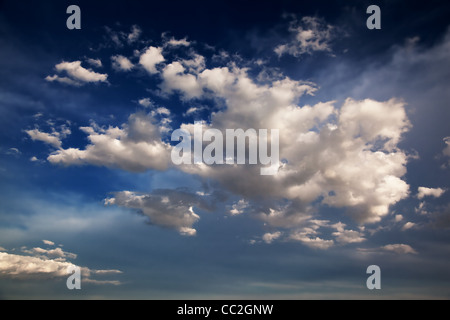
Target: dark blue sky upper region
[[86, 177]]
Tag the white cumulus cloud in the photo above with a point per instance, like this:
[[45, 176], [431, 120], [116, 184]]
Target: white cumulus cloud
[[150, 58], [77, 75], [136, 147], [429, 192], [121, 63]]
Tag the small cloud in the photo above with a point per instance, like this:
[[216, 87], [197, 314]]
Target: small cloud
[[151, 58], [44, 265], [429, 192], [145, 102], [408, 226], [398, 217], [48, 242], [399, 249], [172, 42], [390, 248], [95, 62], [13, 152], [311, 34], [121, 63], [52, 139], [76, 74], [134, 35], [238, 207], [34, 159], [270, 237]]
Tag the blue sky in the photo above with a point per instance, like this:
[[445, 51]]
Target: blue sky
[[86, 176]]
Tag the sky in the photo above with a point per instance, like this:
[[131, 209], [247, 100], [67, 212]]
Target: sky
[[86, 171]]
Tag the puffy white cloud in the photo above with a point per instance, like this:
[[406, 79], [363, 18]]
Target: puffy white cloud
[[150, 58], [429, 192], [399, 249], [175, 79], [344, 156], [48, 242], [325, 157], [78, 75], [309, 35], [53, 139], [121, 63], [25, 267], [135, 147], [172, 209], [270, 237]]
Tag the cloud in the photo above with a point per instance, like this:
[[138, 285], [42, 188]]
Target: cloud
[[399, 249], [52, 139], [447, 148], [172, 42], [64, 80], [325, 148], [121, 63], [429, 192], [134, 35], [173, 209], [311, 34], [145, 102], [325, 157], [238, 207], [270, 237], [408, 225], [150, 58], [312, 242], [95, 62], [43, 264], [135, 147], [52, 253], [308, 235], [78, 75], [13, 152], [34, 159], [48, 242], [347, 236], [175, 79]]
